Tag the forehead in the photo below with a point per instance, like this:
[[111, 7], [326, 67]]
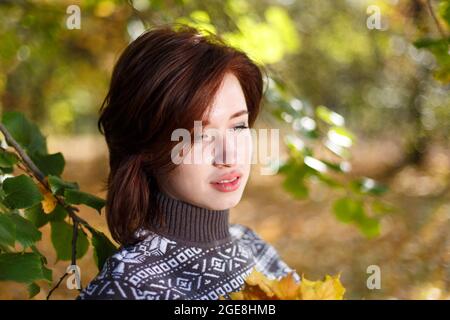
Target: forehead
[[229, 99]]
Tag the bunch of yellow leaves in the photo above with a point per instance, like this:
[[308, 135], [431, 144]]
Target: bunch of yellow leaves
[[258, 287]]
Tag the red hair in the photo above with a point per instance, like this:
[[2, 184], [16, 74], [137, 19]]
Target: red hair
[[164, 80]]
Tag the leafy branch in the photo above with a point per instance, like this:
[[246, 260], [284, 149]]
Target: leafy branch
[[36, 173], [30, 201]]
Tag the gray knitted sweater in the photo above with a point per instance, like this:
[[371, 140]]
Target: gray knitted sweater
[[196, 255]]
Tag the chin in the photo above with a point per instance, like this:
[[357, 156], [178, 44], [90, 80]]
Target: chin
[[226, 200]]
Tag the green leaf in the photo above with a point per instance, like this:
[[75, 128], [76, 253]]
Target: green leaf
[[380, 208], [103, 248], [329, 181], [333, 166], [444, 11], [27, 134], [21, 267], [347, 209], [350, 210], [35, 250], [79, 197], [429, 43], [6, 170], [58, 185], [314, 165], [61, 236], [33, 290], [26, 233], [370, 227], [36, 215], [47, 274], [294, 182], [58, 214], [21, 192], [294, 143], [440, 49], [283, 166], [8, 159], [7, 231], [341, 136], [49, 164], [329, 116]]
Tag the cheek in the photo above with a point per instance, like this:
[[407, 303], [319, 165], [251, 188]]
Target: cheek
[[244, 149], [198, 155], [189, 175]]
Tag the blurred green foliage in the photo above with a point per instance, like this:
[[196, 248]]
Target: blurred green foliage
[[380, 81], [323, 50]]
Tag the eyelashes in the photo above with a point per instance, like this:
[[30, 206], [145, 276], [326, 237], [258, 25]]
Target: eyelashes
[[207, 137], [240, 127]]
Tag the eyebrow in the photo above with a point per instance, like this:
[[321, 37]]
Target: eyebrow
[[235, 115]]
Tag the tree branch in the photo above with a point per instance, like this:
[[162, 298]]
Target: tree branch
[[38, 175], [57, 285], [74, 242], [33, 170], [73, 256], [436, 21]]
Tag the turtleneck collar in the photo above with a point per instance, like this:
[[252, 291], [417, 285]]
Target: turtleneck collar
[[189, 223]]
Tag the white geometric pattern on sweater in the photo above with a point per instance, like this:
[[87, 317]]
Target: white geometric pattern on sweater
[[159, 268]]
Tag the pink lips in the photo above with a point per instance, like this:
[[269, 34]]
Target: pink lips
[[233, 183]]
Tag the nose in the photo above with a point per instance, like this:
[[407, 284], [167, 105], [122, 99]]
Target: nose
[[225, 151]]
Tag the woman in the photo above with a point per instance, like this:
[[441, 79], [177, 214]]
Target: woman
[[171, 216]]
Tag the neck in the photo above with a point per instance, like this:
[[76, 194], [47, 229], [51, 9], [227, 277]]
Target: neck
[[190, 223]]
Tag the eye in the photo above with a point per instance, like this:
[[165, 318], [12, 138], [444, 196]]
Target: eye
[[240, 127]]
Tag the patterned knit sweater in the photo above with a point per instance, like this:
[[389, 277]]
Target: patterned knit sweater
[[196, 255]]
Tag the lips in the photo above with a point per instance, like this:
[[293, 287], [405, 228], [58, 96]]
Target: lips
[[228, 182], [228, 177]]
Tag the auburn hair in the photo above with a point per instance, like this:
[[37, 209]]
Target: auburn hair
[[165, 79]]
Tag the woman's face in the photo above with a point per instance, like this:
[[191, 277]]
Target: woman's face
[[225, 146]]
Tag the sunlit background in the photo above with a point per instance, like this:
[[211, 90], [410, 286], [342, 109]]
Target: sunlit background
[[388, 81]]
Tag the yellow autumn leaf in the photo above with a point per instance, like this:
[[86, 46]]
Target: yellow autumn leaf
[[328, 289], [49, 202], [258, 287], [256, 278], [287, 288]]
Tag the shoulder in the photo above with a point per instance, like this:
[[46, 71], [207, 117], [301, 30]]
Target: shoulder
[[240, 231], [117, 279], [267, 258], [250, 238], [109, 288]]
